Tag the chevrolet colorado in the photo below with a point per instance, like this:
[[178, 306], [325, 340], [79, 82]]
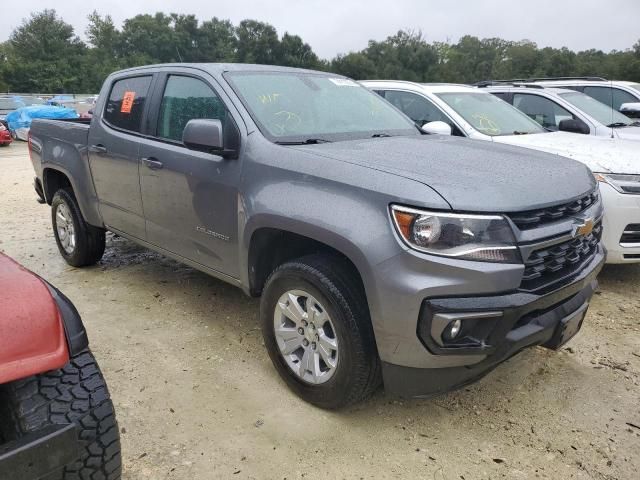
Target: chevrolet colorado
[[380, 253]]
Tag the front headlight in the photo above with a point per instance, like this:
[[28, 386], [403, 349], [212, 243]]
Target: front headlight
[[622, 183], [483, 238]]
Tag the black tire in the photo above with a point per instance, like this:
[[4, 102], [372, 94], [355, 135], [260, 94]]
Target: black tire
[[90, 240], [77, 394], [332, 281]]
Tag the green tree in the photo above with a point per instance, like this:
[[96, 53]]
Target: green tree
[[257, 42], [293, 52], [217, 41], [44, 55]]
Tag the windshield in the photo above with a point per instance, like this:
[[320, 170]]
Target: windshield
[[303, 107], [490, 115], [599, 111]]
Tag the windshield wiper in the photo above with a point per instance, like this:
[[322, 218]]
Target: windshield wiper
[[380, 135], [521, 133], [306, 141], [617, 125], [635, 124]]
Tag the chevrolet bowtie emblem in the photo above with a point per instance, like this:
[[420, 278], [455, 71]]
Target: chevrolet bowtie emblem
[[583, 229]]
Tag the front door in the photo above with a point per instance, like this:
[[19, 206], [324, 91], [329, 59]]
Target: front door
[[190, 198], [114, 142]]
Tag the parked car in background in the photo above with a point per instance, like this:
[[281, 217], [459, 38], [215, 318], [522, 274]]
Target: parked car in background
[[19, 121], [566, 110], [475, 113], [5, 135], [378, 251], [614, 93], [8, 105], [56, 417]]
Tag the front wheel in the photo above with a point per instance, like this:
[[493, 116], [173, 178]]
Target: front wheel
[[79, 243], [317, 330], [75, 394]]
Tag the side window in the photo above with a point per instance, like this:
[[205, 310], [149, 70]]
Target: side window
[[418, 109], [184, 99], [610, 96], [544, 111], [602, 94], [125, 105], [620, 97]]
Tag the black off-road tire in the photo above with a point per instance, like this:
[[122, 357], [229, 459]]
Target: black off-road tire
[[76, 394], [90, 240], [334, 283]]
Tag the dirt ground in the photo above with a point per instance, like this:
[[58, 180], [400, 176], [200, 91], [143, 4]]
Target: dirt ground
[[197, 398]]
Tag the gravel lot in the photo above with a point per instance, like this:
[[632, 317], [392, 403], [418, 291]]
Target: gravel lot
[[197, 398]]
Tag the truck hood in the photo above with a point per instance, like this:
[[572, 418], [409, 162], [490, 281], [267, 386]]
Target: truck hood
[[470, 175], [600, 154]]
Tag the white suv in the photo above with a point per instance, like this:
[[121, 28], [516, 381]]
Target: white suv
[[567, 110], [475, 113], [615, 93]]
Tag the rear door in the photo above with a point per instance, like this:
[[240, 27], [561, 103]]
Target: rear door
[[190, 198], [114, 141]]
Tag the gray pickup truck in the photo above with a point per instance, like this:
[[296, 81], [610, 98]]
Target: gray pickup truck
[[380, 253]]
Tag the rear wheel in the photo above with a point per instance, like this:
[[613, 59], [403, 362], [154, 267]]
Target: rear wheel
[[76, 394], [79, 243], [317, 330]]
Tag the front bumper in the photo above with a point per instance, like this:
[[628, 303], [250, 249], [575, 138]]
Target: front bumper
[[621, 210], [39, 453], [526, 319]]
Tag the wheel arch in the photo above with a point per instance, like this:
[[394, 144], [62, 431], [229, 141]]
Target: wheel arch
[[271, 246], [54, 178]]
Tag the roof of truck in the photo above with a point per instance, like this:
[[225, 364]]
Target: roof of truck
[[226, 67]]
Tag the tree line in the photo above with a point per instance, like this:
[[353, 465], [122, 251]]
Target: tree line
[[44, 54]]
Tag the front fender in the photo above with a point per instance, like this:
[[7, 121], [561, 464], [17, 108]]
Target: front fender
[[33, 337]]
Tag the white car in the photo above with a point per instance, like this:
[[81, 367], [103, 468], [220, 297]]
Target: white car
[[567, 110], [615, 93], [470, 112]]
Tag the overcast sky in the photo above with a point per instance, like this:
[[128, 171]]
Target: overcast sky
[[332, 27]]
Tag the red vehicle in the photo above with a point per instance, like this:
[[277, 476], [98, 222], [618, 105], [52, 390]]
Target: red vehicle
[[5, 135], [56, 417]]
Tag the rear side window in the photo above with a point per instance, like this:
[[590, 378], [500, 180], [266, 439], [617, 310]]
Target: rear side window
[[610, 96], [184, 99], [126, 103]]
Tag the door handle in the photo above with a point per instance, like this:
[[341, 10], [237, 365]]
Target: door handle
[[152, 163], [98, 149]]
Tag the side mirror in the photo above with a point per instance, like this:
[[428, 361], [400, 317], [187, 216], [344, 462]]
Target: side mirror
[[438, 128], [631, 110], [203, 135], [574, 125]]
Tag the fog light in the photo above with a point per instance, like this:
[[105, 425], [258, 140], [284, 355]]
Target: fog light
[[453, 329]]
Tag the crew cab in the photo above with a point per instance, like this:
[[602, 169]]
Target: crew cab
[[379, 252], [461, 110]]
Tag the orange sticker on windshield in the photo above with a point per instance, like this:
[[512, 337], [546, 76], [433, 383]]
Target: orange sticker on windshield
[[127, 102]]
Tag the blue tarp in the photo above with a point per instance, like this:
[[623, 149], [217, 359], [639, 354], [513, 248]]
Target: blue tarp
[[21, 118]]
